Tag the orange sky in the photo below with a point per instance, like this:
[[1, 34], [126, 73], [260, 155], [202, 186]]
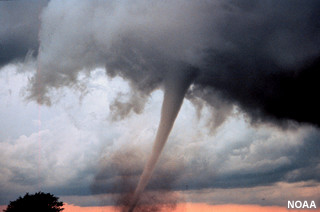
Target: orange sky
[[196, 207], [192, 207]]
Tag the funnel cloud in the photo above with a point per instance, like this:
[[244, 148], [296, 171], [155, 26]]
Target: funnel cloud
[[172, 101]]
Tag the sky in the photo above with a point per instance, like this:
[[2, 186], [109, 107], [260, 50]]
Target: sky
[[82, 85]]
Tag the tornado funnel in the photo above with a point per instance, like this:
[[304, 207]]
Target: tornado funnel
[[175, 88]]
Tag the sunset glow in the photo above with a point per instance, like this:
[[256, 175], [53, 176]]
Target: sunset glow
[[195, 207]]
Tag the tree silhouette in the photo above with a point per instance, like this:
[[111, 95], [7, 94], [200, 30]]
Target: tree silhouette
[[38, 202]]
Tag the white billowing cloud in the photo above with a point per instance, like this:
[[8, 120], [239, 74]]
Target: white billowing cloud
[[58, 146], [236, 150], [62, 148]]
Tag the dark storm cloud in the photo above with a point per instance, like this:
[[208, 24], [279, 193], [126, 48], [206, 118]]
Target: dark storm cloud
[[260, 55], [271, 66], [20, 23]]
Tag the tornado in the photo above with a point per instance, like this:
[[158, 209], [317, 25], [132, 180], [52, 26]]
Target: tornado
[[175, 88]]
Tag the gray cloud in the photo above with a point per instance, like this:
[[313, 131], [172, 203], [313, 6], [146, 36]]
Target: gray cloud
[[20, 23], [262, 56], [254, 157]]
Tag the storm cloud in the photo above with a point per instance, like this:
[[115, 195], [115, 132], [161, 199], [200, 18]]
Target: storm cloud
[[20, 24], [260, 55]]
